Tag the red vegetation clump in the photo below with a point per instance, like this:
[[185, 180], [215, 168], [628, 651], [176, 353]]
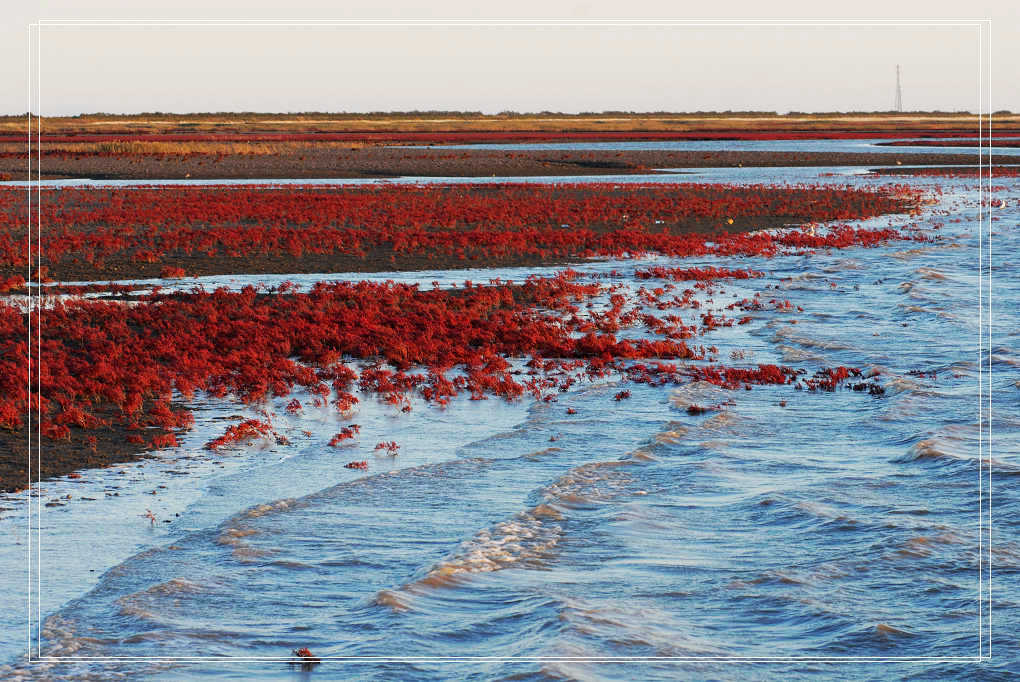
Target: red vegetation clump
[[828, 379], [165, 440], [734, 377], [346, 433], [252, 345], [699, 274], [756, 303], [305, 658], [171, 272], [11, 283], [246, 430], [391, 447]]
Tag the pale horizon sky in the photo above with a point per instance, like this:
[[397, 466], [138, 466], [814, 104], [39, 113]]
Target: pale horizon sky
[[85, 69]]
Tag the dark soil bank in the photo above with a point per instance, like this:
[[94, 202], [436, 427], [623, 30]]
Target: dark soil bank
[[383, 162], [59, 458]]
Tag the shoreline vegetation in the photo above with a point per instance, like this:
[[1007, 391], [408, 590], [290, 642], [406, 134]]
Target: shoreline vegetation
[[92, 420], [432, 121]]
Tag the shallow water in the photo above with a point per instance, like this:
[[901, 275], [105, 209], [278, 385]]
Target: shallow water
[[842, 146], [666, 175], [839, 526]]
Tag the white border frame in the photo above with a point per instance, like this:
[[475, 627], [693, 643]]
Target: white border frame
[[984, 315]]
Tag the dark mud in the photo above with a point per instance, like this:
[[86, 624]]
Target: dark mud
[[389, 162], [57, 458]]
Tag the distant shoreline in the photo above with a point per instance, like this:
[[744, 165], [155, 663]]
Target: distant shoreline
[[431, 121]]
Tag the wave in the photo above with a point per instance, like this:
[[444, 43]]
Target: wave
[[791, 354], [908, 254], [697, 393], [790, 334]]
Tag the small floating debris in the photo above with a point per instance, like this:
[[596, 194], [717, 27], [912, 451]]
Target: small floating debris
[[305, 658]]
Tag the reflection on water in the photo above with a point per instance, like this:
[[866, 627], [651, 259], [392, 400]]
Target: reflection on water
[[778, 524]]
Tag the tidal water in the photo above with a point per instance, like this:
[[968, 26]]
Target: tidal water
[[792, 534], [875, 145]]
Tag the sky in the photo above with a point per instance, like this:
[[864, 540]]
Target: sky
[[794, 66]]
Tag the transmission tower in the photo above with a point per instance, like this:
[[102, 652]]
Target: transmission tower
[[899, 90]]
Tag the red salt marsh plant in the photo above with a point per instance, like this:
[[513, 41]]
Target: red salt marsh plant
[[391, 448], [346, 433], [252, 345], [171, 272], [246, 430], [11, 283], [695, 274], [249, 344], [462, 222]]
